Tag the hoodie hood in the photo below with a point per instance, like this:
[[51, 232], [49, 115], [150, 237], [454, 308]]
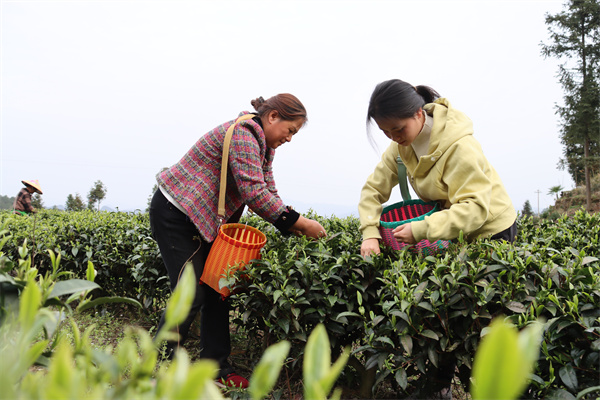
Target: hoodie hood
[[449, 126]]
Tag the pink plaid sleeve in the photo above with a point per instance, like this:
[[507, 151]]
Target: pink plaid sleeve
[[254, 180]]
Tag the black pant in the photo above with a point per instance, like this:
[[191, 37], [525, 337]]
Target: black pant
[[509, 234], [178, 238]]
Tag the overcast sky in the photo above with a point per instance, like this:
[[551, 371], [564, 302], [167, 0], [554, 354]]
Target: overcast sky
[[116, 90]]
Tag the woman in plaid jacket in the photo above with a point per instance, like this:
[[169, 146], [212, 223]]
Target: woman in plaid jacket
[[184, 218]]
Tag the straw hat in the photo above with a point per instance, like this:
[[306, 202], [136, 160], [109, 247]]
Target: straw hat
[[33, 183]]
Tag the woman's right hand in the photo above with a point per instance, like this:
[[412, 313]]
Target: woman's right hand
[[369, 247], [308, 227]]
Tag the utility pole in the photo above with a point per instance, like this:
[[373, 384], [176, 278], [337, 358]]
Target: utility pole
[[538, 193]]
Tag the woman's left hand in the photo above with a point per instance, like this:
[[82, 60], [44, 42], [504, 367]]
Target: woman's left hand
[[403, 233]]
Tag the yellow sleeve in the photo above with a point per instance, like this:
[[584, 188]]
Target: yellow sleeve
[[376, 192], [466, 174]]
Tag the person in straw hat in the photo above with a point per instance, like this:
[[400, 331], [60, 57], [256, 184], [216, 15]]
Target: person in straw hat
[[22, 204]]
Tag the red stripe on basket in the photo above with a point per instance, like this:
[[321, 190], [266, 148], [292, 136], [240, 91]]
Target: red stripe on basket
[[408, 212], [412, 212]]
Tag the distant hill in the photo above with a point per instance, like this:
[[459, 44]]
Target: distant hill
[[572, 200], [6, 203]]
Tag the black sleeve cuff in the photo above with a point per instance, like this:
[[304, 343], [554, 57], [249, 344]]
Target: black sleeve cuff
[[286, 220]]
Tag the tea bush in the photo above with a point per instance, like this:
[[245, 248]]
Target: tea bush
[[120, 245], [408, 316], [73, 368], [300, 283], [404, 316]]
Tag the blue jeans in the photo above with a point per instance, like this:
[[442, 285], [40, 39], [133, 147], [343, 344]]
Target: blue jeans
[[178, 239]]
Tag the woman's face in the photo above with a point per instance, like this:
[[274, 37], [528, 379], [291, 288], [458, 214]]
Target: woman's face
[[402, 130], [279, 131]]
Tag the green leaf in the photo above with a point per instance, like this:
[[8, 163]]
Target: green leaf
[[9, 279], [433, 356], [347, 314], [267, 370], [377, 320], [401, 378], [588, 259], [105, 300], [430, 334], [420, 290], [568, 376], [560, 394], [319, 375], [517, 307], [385, 339], [497, 369], [284, 324], [587, 391], [195, 380], [29, 304], [71, 286], [91, 272], [61, 373], [529, 345], [317, 357], [34, 352], [407, 343], [180, 302], [335, 371]]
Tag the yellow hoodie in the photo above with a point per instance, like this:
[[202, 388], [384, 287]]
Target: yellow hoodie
[[454, 172]]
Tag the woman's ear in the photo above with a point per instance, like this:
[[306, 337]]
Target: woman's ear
[[273, 115]]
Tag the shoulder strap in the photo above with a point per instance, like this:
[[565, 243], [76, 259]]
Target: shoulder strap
[[224, 161], [402, 179]]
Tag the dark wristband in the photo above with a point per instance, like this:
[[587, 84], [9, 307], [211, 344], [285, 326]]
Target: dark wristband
[[286, 220]]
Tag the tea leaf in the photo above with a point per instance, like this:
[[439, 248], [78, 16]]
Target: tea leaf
[[267, 370]]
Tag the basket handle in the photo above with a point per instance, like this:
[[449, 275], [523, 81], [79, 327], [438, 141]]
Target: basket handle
[[224, 161], [402, 181]]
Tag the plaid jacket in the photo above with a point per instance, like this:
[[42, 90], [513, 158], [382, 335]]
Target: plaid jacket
[[194, 181], [23, 201]]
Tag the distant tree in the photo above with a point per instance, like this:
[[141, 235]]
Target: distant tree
[[575, 39], [36, 201], [555, 190], [154, 189], [527, 210], [74, 203], [96, 195], [6, 203]]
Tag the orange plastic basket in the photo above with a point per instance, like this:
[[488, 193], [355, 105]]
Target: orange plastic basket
[[234, 247]]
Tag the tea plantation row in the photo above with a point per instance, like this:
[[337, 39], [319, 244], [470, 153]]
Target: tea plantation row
[[404, 316]]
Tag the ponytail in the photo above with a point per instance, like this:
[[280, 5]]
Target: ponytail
[[427, 93]]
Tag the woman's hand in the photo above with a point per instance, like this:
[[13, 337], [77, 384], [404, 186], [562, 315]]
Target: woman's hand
[[308, 227], [369, 247], [403, 233]]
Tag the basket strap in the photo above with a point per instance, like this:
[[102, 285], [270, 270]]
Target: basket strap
[[224, 161], [402, 181]]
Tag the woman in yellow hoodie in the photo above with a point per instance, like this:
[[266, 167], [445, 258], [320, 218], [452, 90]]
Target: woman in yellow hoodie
[[444, 163]]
